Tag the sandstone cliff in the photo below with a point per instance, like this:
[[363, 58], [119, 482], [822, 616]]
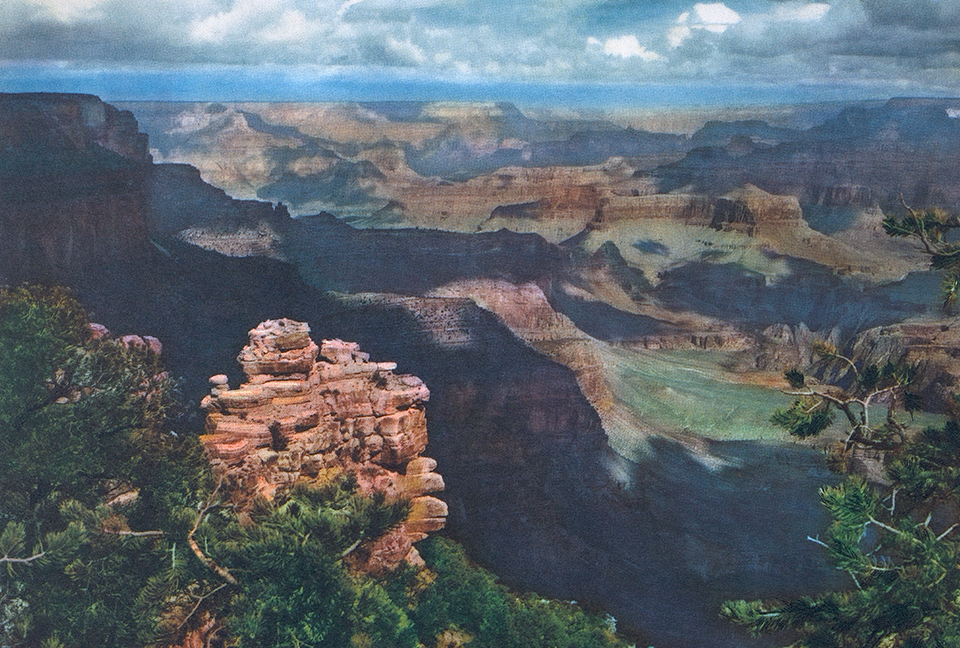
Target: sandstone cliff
[[300, 417]]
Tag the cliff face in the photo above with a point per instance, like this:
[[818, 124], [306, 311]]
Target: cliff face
[[72, 172], [298, 417], [933, 347]]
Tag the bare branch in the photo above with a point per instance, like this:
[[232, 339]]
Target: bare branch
[[135, 534], [204, 558], [22, 561], [947, 532], [893, 500], [893, 530], [349, 550], [199, 601]]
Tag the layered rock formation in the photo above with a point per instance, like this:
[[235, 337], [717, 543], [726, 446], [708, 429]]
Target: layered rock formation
[[300, 417]]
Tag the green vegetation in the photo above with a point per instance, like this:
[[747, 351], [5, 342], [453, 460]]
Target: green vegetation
[[931, 229], [900, 547], [463, 603], [113, 532], [82, 422], [868, 386], [896, 537]]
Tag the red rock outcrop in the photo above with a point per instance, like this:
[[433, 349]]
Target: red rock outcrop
[[299, 416]]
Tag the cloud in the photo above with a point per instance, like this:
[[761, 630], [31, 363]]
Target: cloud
[[224, 25], [625, 47], [291, 27], [677, 34], [69, 11], [714, 17], [800, 12], [765, 41], [345, 7]]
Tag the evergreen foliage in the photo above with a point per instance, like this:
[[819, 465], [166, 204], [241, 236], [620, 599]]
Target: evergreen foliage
[[901, 550], [295, 589], [81, 421], [814, 409], [898, 541], [465, 601], [931, 228]]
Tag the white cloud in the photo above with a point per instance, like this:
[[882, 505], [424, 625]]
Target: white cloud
[[677, 34], [406, 51], [291, 27], [625, 47], [714, 17], [69, 11], [345, 7], [239, 20], [800, 12]]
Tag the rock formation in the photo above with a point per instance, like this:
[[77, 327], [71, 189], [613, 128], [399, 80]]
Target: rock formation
[[72, 172], [300, 417]]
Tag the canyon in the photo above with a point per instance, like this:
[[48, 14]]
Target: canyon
[[524, 309]]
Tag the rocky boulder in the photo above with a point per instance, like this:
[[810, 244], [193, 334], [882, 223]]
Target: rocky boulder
[[306, 411]]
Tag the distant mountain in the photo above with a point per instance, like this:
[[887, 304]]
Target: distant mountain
[[864, 156], [721, 133]]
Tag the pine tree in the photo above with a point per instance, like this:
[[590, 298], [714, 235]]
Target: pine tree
[[899, 543], [901, 550], [868, 386], [88, 473]]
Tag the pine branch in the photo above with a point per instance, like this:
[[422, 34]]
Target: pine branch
[[919, 231], [200, 600], [898, 532]]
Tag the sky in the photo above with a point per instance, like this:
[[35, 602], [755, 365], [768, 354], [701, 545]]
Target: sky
[[613, 51]]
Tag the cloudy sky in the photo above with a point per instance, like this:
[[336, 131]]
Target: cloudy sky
[[277, 49]]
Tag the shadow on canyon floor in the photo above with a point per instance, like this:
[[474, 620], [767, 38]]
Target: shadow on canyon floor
[[525, 459]]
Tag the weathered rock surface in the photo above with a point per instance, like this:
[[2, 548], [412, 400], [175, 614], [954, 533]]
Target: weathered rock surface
[[306, 410]]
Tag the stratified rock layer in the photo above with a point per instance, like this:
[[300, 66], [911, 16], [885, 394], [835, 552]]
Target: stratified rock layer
[[306, 410]]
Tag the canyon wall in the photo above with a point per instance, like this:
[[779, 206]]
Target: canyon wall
[[299, 417], [72, 173]]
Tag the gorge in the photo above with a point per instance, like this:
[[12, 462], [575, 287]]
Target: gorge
[[507, 307]]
